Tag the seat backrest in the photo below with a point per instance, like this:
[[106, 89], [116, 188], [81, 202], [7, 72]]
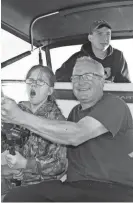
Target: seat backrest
[[67, 101]]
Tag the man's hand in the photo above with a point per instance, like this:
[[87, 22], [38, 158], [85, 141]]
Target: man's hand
[[10, 112], [16, 161]]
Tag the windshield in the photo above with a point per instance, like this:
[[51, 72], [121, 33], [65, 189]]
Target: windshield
[[63, 53], [13, 46]]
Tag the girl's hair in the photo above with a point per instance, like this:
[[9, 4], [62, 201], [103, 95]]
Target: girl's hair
[[46, 70]]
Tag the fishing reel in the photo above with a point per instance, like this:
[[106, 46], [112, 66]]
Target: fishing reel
[[13, 136]]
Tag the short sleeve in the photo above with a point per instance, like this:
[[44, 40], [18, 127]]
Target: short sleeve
[[111, 112], [70, 116], [73, 117]]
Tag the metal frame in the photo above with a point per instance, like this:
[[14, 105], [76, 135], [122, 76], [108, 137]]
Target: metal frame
[[34, 21], [70, 11], [46, 45]]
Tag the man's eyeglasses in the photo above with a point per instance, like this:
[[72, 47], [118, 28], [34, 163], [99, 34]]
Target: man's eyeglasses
[[86, 77], [30, 81]]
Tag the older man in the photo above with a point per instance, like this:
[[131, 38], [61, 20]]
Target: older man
[[98, 47], [99, 136]]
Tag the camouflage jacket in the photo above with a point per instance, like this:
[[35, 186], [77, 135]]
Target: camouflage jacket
[[46, 160]]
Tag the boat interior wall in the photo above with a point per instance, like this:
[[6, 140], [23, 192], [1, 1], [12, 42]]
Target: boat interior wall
[[64, 94]]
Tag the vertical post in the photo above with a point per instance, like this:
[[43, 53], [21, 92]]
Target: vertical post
[[40, 57], [48, 57]]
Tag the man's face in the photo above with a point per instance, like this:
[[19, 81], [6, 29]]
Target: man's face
[[100, 38], [87, 88]]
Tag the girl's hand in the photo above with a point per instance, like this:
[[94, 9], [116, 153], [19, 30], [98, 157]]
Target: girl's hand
[[3, 157], [16, 161], [6, 171]]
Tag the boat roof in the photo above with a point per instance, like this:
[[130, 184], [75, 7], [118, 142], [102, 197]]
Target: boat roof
[[65, 22]]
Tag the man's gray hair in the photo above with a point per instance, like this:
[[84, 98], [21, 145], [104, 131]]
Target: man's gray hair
[[90, 61], [87, 59]]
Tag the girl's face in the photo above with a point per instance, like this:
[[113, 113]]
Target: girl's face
[[38, 87]]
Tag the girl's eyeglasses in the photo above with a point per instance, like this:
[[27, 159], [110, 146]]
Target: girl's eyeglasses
[[37, 82]]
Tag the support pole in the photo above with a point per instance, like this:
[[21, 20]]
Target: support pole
[[48, 57], [15, 59]]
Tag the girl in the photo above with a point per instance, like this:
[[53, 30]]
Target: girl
[[38, 159]]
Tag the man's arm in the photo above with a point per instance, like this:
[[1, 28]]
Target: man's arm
[[62, 132], [64, 73], [122, 74]]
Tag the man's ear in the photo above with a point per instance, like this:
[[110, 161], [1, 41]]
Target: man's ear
[[90, 37], [51, 89]]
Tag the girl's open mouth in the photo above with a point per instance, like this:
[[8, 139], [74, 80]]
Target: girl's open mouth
[[32, 93]]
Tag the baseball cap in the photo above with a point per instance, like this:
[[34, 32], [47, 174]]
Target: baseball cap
[[96, 24]]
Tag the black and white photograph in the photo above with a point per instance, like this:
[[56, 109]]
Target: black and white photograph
[[66, 101]]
